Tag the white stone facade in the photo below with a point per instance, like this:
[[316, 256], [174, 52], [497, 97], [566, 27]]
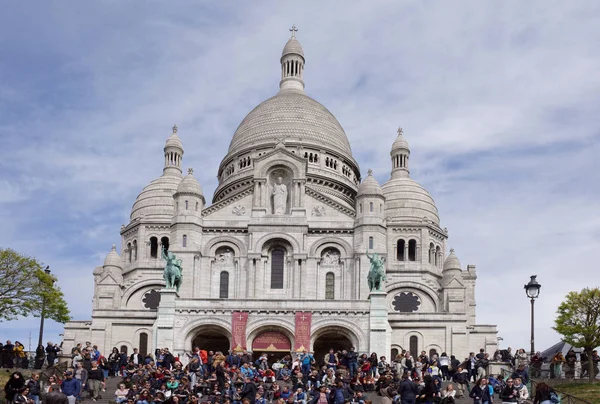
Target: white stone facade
[[287, 232]]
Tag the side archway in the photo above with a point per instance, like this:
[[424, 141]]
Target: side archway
[[213, 244], [212, 330], [317, 248], [329, 330]]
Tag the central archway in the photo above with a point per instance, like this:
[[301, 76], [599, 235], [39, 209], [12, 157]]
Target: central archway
[[211, 338], [273, 343], [327, 340]]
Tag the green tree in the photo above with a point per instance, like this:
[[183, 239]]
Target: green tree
[[25, 288], [578, 322]]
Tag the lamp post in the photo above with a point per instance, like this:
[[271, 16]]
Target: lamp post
[[532, 289], [41, 337]]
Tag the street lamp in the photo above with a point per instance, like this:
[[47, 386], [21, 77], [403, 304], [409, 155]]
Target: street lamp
[[41, 337], [532, 289]]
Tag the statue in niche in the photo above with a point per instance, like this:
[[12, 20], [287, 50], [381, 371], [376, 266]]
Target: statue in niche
[[280, 194], [330, 257]]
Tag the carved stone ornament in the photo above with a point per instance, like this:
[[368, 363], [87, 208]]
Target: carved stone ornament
[[224, 258], [318, 210], [330, 257], [238, 210], [181, 321]]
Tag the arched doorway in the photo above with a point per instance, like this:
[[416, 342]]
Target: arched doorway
[[336, 339], [211, 338], [273, 343]]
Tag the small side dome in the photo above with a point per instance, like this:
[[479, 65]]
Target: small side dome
[[112, 258], [452, 261], [370, 186], [190, 185]]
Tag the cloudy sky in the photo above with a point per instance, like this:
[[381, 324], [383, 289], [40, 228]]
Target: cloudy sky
[[499, 101]]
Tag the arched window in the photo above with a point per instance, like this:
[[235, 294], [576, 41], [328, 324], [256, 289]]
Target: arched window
[[438, 256], [412, 250], [431, 253], [143, 347], [393, 354], [330, 286], [433, 352], [400, 250], [277, 261], [165, 243], [224, 285], [370, 243], [135, 250], [360, 207], [414, 345], [129, 252], [124, 349], [186, 205], [196, 206], [184, 243], [370, 206], [153, 247]]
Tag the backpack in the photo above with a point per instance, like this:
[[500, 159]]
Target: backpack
[[554, 397]]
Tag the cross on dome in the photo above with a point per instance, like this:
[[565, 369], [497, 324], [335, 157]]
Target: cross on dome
[[452, 251], [400, 131], [369, 172], [190, 171], [174, 128], [293, 30]]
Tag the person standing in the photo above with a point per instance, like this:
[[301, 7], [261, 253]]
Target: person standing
[[13, 385], [34, 387], [71, 387], [95, 380], [40, 357], [352, 357], [407, 390], [8, 355], [52, 351], [480, 393]]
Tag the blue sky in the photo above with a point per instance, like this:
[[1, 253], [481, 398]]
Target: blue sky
[[499, 101]]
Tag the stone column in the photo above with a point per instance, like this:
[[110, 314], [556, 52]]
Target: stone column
[[378, 323], [165, 319]]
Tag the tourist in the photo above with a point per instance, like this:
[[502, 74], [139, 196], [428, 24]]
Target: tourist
[[557, 363], [480, 393], [121, 393], [35, 387], [461, 378], [55, 396], [444, 364], [21, 360], [510, 393], [8, 355], [21, 397], [52, 351], [521, 373], [13, 385], [543, 394], [95, 381], [407, 390], [429, 390], [40, 357], [71, 387], [522, 391]]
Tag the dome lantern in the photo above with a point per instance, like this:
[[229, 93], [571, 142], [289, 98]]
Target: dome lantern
[[292, 64], [400, 153], [173, 154]]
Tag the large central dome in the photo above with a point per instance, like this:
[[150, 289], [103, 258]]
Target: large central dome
[[294, 116]]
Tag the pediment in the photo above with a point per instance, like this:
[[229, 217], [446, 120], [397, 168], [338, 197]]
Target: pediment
[[454, 284], [108, 280]]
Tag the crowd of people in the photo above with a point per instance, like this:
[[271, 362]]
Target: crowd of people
[[15, 356], [339, 377]]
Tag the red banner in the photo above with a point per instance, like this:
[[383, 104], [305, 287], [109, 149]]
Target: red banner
[[239, 320], [302, 337], [271, 341]]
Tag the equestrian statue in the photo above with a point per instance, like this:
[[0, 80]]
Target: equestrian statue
[[376, 275], [172, 272]]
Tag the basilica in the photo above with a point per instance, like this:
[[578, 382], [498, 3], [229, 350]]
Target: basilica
[[278, 262]]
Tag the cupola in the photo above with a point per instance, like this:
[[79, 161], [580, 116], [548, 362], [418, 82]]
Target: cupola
[[292, 64]]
